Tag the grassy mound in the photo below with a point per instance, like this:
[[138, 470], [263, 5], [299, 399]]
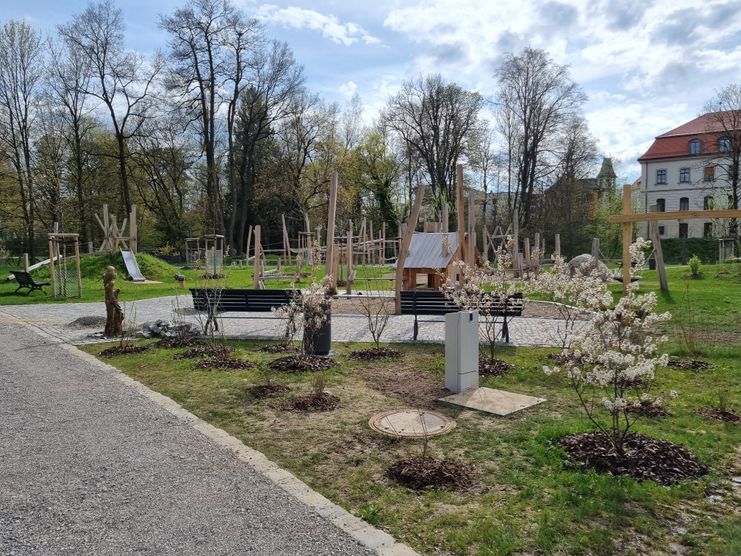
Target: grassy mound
[[93, 267]]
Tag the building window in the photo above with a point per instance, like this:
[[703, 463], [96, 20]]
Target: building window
[[724, 144], [683, 230], [661, 176], [660, 205], [695, 146], [707, 229], [708, 173], [708, 202], [684, 175], [661, 230], [684, 203]]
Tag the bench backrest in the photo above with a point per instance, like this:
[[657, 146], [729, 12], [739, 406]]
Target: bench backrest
[[22, 277], [241, 300], [421, 302]]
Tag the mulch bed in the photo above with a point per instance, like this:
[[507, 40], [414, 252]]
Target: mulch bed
[[205, 350], [313, 402], [261, 391], [226, 362], [122, 350], [406, 383], [301, 363], [281, 347], [179, 341], [727, 415], [88, 322], [646, 458], [373, 354], [648, 409], [692, 364], [493, 367], [424, 472]]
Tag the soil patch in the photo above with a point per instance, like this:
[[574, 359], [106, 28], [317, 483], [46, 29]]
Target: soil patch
[[282, 347], [205, 350], [727, 415], [313, 402], [693, 364], [225, 362], [373, 354], [415, 388], [493, 367], [261, 391], [302, 363], [648, 409], [179, 341], [122, 350], [88, 322], [424, 472], [646, 458]]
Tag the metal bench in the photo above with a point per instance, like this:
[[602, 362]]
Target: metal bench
[[214, 300], [421, 302], [25, 280]]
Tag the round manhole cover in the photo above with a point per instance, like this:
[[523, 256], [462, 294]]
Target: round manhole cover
[[415, 423]]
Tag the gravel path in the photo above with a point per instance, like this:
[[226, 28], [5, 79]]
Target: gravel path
[[88, 465]]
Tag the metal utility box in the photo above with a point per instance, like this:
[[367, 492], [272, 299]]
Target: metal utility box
[[462, 351]]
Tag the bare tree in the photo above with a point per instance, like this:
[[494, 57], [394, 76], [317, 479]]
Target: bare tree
[[536, 98], [724, 121], [21, 65], [483, 159], [434, 119], [121, 80]]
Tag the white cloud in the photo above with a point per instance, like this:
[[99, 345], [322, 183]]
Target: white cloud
[[348, 89], [329, 25]]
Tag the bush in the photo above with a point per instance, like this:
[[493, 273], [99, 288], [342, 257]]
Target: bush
[[694, 265]]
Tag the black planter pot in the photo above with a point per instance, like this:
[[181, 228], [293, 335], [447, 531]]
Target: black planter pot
[[320, 342]]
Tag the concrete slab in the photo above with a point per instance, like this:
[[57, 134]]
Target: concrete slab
[[491, 400], [413, 423]]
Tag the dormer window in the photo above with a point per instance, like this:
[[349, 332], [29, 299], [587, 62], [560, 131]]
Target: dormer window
[[724, 144], [695, 146]]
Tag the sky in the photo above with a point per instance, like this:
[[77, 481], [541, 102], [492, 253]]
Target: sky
[[646, 66]]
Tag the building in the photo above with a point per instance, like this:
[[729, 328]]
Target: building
[[687, 168], [430, 257]]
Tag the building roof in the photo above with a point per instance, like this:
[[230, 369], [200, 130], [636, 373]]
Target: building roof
[[607, 171], [426, 250], [708, 128]]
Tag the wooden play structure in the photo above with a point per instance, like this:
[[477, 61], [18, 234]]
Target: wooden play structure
[[113, 236], [64, 273], [205, 252], [628, 218]]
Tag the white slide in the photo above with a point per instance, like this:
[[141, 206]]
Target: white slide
[[131, 266]]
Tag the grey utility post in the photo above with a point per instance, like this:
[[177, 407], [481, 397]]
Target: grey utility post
[[462, 351]]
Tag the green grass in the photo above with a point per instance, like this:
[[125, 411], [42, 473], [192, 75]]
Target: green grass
[[526, 498]]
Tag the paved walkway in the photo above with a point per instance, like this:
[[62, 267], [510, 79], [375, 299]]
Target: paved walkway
[[55, 319], [89, 464]]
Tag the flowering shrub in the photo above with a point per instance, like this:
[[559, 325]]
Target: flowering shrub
[[313, 304], [611, 361]]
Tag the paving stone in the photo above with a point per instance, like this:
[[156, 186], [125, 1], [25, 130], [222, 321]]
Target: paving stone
[[491, 400]]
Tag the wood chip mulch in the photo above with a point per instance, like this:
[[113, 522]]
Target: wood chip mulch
[[225, 363], [281, 347], [313, 402], [179, 341], [692, 364], [424, 472], [261, 391], [374, 354], [648, 409], [301, 363], [493, 367], [205, 350], [122, 350], [646, 458], [727, 415]]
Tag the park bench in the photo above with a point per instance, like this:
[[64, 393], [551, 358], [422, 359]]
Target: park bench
[[25, 280], [431, 302], [214, 300]]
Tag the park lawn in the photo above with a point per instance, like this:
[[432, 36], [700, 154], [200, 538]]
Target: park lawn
[[526, 497], [93, 267]]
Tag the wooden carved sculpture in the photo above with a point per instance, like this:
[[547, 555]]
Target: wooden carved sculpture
[[113, 313]]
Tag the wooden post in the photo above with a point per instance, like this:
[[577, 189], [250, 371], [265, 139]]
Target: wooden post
[[446, 218], [77, 263], [257, 265], [471, 245], [627, 236], [90, 247], [484, 245], [459, 208], [404, 247], [52, 282], [285, 237], [527, 256], [538, 249], [383, 243], [595, 248], [348, 259], [106, 229], [516, 239], [653, 231], [25, 262], [249, 244], [333, 186], [557, 245], [133, 241]]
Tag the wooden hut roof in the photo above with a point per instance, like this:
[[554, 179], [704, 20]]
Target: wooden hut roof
[[426, 250]]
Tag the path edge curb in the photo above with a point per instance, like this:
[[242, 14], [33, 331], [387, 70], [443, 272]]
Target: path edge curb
[[367, 535]]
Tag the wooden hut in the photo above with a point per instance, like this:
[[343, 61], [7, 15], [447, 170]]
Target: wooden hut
[[430, 254]]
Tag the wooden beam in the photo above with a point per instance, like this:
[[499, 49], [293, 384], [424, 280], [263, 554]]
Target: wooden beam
[[459, 208], [471, 245], [653, 232], [627, 235], [674, 215], [257, 265], [413, 217], [557, 245], [333, 186], [445, 218], [348, 259], [133, 230]]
